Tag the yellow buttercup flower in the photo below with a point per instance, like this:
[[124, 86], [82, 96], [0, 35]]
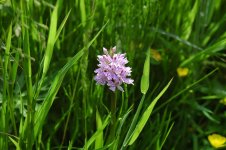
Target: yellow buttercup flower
[[182, 72], [156, 55], [223, 101], [217, 141]]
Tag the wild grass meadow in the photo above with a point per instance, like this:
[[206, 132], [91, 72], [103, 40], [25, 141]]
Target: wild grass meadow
[[51, 95]]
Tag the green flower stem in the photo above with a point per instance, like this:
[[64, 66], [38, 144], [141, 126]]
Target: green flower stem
[[113, 118]]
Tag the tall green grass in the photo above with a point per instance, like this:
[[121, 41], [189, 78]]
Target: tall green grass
[[48, 54]]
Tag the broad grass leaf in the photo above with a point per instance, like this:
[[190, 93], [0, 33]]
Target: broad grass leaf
[[62, 26], [122, 122], [15, 143], [140, 125], [133, 124], [98, 132], [8, 45], [41, 114], [219, 46], [99, 142], [189, 20], [51, 40], [145, 77]]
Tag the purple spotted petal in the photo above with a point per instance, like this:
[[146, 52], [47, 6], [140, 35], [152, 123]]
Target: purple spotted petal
[[112, 70]]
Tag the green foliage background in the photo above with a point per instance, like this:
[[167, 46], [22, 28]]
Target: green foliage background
[[48, 96]]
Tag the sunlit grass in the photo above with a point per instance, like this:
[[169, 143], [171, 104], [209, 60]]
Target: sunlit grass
[[50, 100]]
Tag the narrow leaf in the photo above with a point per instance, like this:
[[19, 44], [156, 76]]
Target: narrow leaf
[[99, 142], [51, 40], [15, 143], [98, 132], [41, 114], [133, 124], [188, 21], [62, 26], [219, 46], [8, 45], [167, 134], [145, 77], [146, 115]]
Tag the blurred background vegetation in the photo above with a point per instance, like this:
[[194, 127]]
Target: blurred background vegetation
[[186, 40]]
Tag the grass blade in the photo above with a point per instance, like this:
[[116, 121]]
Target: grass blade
[[133, 124], [4, 110], [15, 143], [41, 114], [122, 122], [167, 134], [51, 40], [185, 89], [99, 142], [146, 115], [145, 77], [62, 26], [189, 19], [219, 46], [8, 45], [98, 132]]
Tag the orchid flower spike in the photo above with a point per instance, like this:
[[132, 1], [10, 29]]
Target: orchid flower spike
[[112, 70]]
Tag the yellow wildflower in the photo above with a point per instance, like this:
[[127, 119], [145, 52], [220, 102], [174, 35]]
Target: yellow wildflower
[[223, 101], [217, 140], [182, 72], [156, 55]]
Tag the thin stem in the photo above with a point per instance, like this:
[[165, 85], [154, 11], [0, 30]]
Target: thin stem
[[113, 118], [113, 107]]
